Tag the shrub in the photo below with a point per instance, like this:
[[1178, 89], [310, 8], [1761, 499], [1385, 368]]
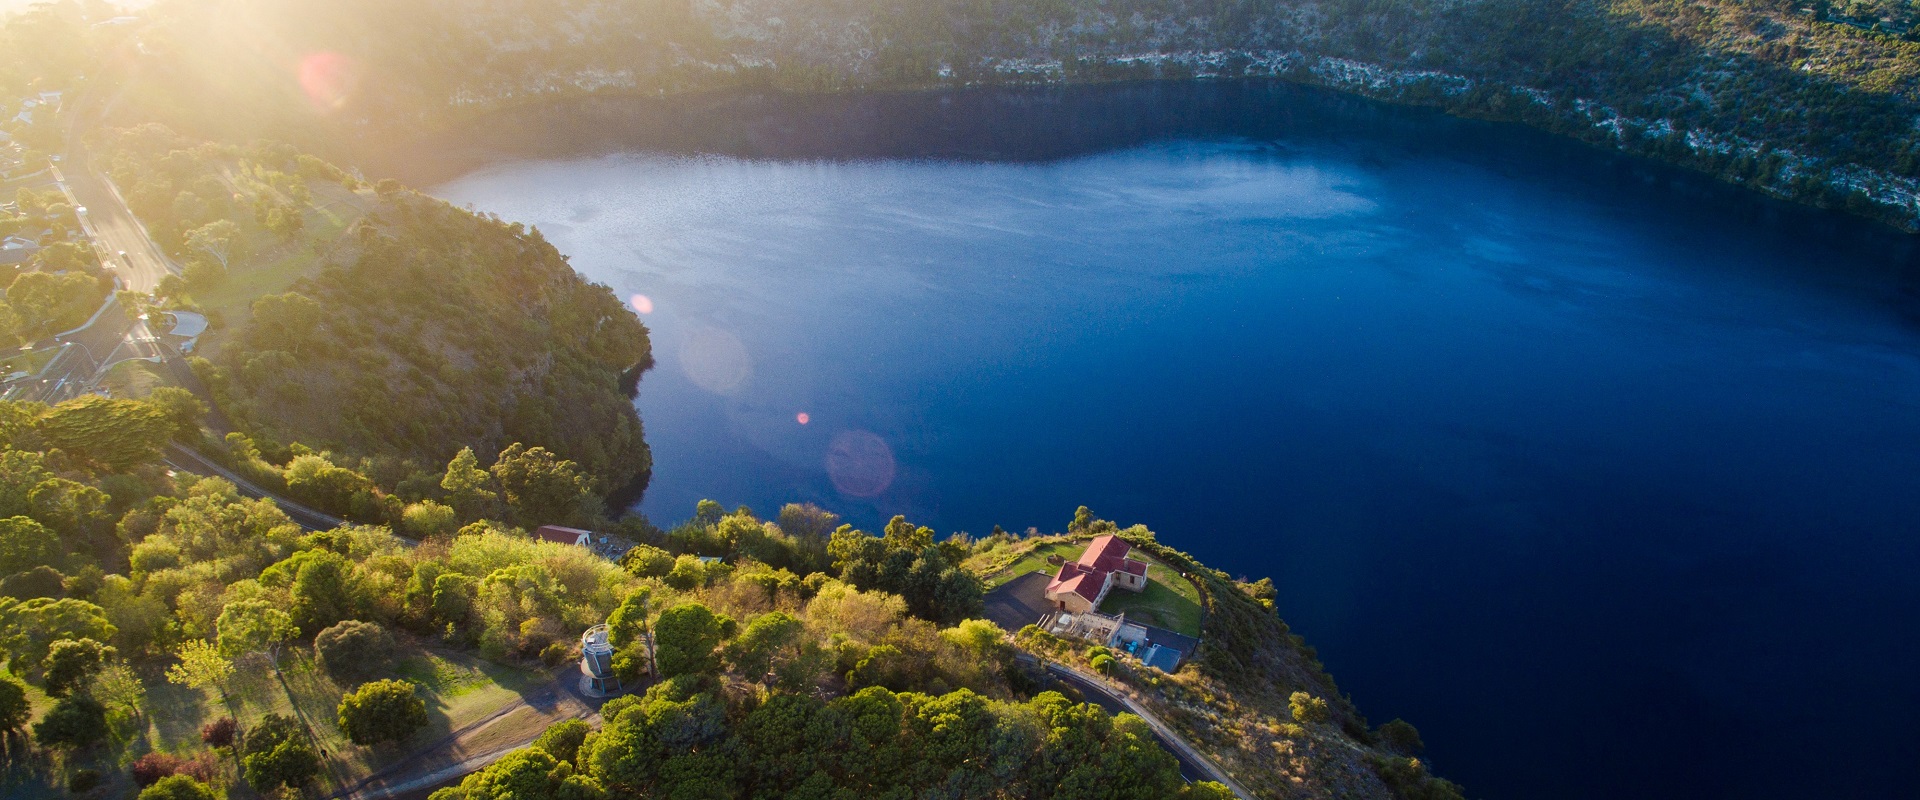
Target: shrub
[[1309, 710], [382, 711], [353, 651], [150, 768], [554, 654], [1401, 737], [177, 787], [1102, 664], [278, 754], [14, 708], [219, 733]]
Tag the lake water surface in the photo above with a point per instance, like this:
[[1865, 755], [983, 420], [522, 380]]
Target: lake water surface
[[1605, 477]]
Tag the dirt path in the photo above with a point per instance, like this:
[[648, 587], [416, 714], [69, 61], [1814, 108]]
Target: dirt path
[[469, 749]]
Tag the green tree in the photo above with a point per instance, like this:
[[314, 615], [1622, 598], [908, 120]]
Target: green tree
[[470, 489], [540, 486], [253, 626], [201, 665], [531, 774], [321, 595], [685, 639], [647, 561], [353, 651], [117, 435], [24, 544], [15, 710], [29, 629], [382, 711], [562, 740], [76, 722], [278, 753], [770, 641], [72, 664], [177, 787], [427, 519], [629, 620], [181, 408]]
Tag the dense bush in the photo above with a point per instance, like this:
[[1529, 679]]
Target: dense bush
[[382, 711], [354, 651]]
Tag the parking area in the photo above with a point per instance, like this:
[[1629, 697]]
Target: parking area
[[1019, 602]]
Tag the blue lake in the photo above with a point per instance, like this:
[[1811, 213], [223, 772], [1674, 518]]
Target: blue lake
[[1605, 476]]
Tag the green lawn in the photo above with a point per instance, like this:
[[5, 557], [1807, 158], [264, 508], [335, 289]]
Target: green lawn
[[1035, 560], [1169, 601]]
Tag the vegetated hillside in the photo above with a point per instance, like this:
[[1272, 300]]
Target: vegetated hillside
[[1816, 102], [384, 325], [1255, 696]]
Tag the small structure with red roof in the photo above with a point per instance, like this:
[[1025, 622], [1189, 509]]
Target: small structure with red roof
[[1081, 585], [562, 535]]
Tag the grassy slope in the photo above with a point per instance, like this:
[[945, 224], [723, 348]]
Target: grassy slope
[[1170, 601]]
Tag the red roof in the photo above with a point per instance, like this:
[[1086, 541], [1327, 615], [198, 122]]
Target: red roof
[[563, 535], [1106, 553], [1088, 576], [1078, 580]]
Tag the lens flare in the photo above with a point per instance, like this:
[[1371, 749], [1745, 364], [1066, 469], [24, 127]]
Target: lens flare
[[860, 464], [803, 418], [715, 360], [329, 79]]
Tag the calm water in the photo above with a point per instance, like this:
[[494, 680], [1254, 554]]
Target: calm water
[[1607, 479]]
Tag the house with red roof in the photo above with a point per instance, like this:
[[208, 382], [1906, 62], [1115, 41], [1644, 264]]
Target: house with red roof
[[1081, 585], [563, 535]]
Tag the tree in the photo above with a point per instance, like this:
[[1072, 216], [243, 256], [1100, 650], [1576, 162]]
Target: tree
[[768, 642], [685, 638], [470, 488], [216, 240], [647, 561], [75, 722], [277, 753], [29, 629], [629, 620], [320, 593], [540, 486], [1401, 737], [353, 651], [25, 544], [72, 664], [201, 666], [382, 711], [118, 687], [41, 581], [253, 626], [14, 708], [427, 519], [562, 739], [177, 787], [182, 408], [117, 435], [1308, 710]]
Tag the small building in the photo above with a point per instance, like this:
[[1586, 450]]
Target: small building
[[1095, 627], [596, 663], [1165, 659], [563, 535], [16, 250], [1080, 585]]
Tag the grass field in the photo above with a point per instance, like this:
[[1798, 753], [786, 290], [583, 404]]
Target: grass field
[[1035, 560]]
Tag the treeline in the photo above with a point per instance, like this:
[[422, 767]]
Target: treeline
[[422, 329], [1775, 83]]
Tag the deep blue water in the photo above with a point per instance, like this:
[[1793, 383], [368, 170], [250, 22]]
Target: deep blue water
[[1605, 477]]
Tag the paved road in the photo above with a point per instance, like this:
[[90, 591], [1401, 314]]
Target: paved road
[[113, 226], [1193, 765]]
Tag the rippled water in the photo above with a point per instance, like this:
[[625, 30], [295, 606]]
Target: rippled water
[[1606, 479]]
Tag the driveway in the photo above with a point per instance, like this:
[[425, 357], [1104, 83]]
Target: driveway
[[1019, 602]]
